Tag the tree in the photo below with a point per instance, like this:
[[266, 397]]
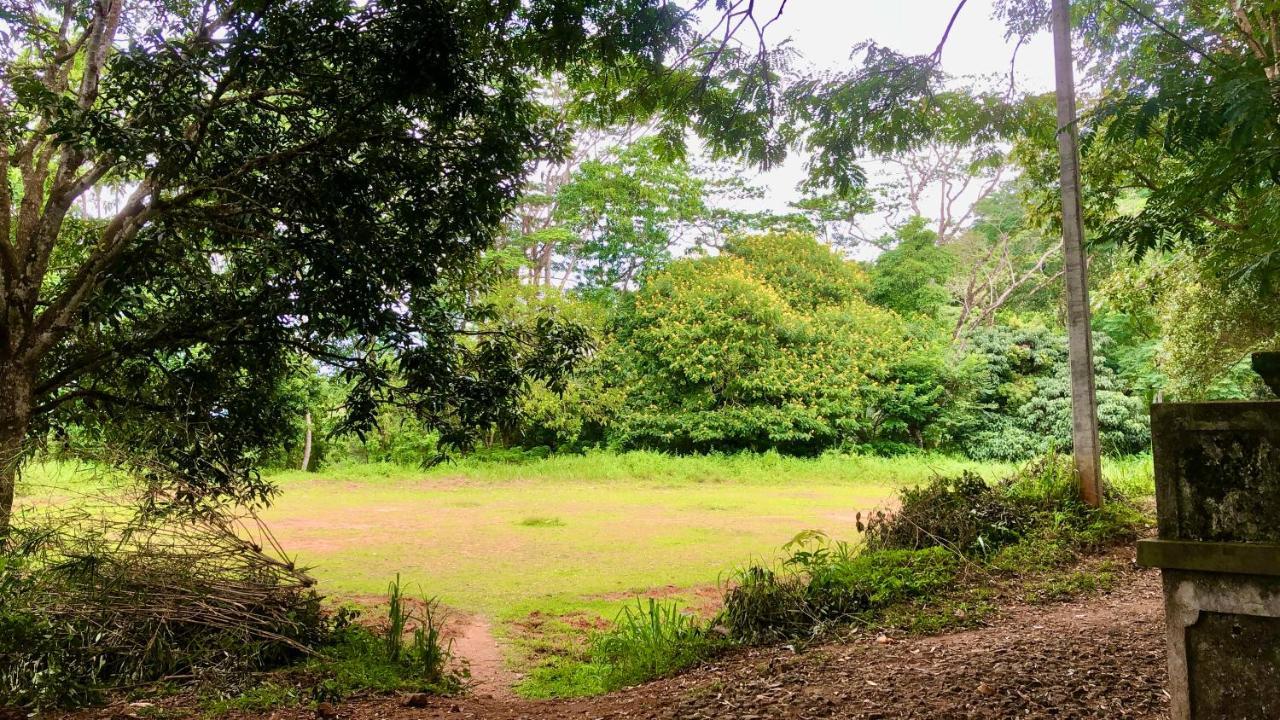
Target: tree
[[961, 177], [310, 179], [1186, 119], [1084, 400], [911, 277], [1001, 259], [894, 103], [625, 212], [770, 345], [535, 227]]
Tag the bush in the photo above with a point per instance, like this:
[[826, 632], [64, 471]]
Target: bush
[[823, 585], [1038, 504], [964, 514]]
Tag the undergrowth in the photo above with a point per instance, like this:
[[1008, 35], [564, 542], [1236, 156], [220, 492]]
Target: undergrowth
[[649, 640], [95, 606], [934, 564], [930, 565], [403, 651]]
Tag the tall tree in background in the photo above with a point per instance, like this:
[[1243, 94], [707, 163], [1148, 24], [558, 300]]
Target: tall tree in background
[[1002, 259], [1187, 118], [624, 212], [955, 178], [894, 103], [313, 179], [1084, 394]]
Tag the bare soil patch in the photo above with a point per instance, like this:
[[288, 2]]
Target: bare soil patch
[[704, 600], [473, 642]]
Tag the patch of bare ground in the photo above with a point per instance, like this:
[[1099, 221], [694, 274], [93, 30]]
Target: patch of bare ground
[[704, 600], [473, 642], [1099, 656]]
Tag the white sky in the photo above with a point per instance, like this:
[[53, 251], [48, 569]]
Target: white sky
[[824, 31]]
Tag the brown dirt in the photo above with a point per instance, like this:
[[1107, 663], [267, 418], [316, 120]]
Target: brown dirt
[[473, 642], [706, 601], [1096, 657]]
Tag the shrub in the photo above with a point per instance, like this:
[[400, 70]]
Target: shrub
[[963, 513], [824, 584], [1040, 503]]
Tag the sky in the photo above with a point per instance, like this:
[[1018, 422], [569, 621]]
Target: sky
[[824, 31]]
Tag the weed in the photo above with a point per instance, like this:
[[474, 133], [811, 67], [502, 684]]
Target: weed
[[266, 697], [651, 640], [542, 522], [931, 618], [406, 652], [831, 588], [1064, 586]]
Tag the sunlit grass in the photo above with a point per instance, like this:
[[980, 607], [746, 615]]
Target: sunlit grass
[[573, 536]]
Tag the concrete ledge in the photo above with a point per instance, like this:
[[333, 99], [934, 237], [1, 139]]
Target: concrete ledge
[[1222, 557]]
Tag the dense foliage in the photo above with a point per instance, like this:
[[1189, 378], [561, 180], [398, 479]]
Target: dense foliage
[[929, 564], [770, 345], [199, 200], [1021, 404]]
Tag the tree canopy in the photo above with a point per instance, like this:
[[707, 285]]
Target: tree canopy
[[283, 183]]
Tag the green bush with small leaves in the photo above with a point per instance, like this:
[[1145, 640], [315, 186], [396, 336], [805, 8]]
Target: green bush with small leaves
[[771, 346]]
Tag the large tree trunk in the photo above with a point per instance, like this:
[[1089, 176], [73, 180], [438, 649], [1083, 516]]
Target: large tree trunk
[[15, 417]]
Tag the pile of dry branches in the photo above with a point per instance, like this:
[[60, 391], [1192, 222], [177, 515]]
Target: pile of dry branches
[[115, 599]]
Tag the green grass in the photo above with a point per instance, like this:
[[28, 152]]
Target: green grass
[[653, 467], [572, 533], [567, 540], [541, 522]]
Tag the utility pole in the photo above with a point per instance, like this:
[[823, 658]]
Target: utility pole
[[1084, 401]]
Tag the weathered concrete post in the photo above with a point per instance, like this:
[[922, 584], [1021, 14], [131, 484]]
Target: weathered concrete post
[[1217, 471]]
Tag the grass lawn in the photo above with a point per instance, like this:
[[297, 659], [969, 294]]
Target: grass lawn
[[573, 532], [556, 544]]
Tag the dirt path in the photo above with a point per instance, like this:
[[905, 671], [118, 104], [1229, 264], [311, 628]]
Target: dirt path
[[1097, 657], [474, 642]]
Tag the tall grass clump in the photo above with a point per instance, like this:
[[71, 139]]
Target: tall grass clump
[[649, 641], [405, 651]]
